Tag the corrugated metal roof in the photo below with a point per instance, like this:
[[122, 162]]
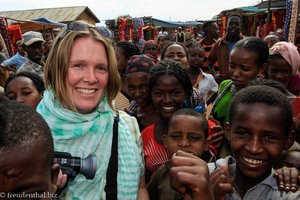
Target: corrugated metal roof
[[62, 14]]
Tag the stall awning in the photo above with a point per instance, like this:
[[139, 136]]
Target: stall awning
[[250, 9], [170, 24]]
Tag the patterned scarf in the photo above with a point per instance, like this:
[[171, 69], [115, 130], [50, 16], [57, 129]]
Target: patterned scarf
[[84, 134]]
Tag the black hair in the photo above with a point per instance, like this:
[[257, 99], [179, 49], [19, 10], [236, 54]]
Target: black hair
[[147, 43], [266, 95], [207, 25], [256, 45], [38, 82], [196, 46], [274, 57], [165, 37], [163, 51], [174, 68], [21, 128], [271, 83], [194, 113], [2, 97], [235, 15], [129, 48]]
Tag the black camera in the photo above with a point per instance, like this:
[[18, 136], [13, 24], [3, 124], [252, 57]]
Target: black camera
[[72, 166]]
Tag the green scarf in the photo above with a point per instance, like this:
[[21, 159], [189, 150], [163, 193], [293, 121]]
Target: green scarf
[[84, 134]]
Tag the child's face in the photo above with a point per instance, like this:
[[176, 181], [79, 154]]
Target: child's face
[[121, 60], [177, 52], [167, 95], [27, 172], [196, 57], [138, 87], [23, 90], [257, 137], [291, 159], [151, 49], [280, 70], [243, 67], [186, 133]]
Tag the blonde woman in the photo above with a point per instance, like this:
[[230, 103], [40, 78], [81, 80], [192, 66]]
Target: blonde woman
[[82, 80]]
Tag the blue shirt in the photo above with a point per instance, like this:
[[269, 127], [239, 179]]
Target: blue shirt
[[16, 60]]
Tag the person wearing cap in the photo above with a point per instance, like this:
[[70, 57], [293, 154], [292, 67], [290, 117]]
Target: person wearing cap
[[33, 46]]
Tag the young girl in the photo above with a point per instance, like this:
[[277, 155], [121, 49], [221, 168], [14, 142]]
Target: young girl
[[25, 87], [178, 52], [247, 61], [141, 106], [283, 63], [150, 48], [124, 50], [169, 86], [201, 80]]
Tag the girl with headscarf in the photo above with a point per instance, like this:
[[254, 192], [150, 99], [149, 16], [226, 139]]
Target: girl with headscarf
[[283, 64]]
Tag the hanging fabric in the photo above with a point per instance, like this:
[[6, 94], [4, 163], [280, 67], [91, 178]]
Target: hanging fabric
[[6, 37]]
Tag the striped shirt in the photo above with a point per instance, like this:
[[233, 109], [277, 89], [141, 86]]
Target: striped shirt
[[155, 154], [207, 49]]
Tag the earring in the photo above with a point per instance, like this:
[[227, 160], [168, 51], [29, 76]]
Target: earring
[[260, 76]]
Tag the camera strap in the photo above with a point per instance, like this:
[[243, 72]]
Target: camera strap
[[112, 170]]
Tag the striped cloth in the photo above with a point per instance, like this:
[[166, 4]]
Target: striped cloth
[[155, 154], [287, 20], [84, 134], [294, 21], [207, 49]]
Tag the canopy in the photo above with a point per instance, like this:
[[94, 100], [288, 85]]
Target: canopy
[[170, 24], [43, 20], [39, 24]]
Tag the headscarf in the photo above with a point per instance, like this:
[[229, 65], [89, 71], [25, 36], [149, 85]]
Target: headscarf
[[149, 42], [289, 52], [139, 63]]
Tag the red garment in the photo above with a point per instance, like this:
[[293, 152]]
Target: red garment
[[207, 49], [155, 154], [296, 107], [210, 132], [294, 84]]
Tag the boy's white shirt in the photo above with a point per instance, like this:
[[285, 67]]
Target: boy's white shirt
[[267, 189]]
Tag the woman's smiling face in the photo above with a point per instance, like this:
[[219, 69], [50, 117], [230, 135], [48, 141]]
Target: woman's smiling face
[[168, 95], [87, 75]]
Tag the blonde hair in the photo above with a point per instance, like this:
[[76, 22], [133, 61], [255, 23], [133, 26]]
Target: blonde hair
[[57, 63]]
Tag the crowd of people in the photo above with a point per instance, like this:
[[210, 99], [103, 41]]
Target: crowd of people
[[185, 117]]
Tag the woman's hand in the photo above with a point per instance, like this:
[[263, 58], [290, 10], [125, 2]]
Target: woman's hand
[[189, 176], [288, 178]]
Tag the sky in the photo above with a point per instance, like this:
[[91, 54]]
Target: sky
[[169, 10]]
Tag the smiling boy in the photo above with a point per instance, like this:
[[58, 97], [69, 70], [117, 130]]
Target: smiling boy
[[259, 129], [187, 132]]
